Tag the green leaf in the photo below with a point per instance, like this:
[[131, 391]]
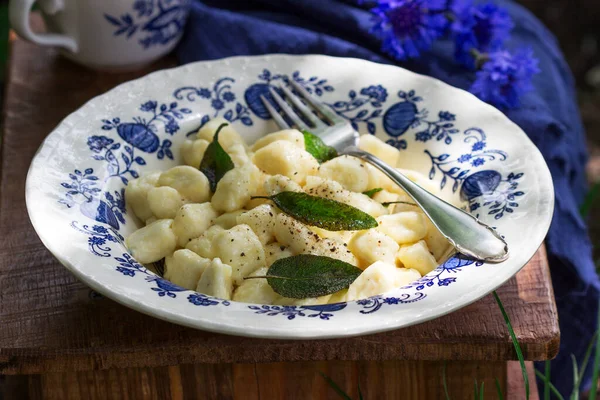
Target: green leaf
[[596, 366], [481, 391], [499, 390], [307, 275], [335, 387], [546, 383], [590, 199], [584, 363], [388, 203], [574, 393], [372, 192], [317, 148], [515, 344], [360, 395], [216, 162], [553, 388], [321, 212], [444, 382]]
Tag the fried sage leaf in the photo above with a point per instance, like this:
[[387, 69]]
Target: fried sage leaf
[[307, 275], [372, 192], [216, 162], [388, 203], [321, 212], [317, 148]]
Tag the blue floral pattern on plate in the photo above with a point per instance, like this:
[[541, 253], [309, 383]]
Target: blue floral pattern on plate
[[120, 155], [362, 107], [322, 311], [82, 190]]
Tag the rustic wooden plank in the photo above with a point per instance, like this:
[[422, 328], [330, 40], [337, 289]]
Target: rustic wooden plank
[[51, 323], [515, 385], [476, 332], [289, 381]]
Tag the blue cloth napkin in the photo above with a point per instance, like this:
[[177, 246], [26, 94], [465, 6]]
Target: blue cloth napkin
[[549, 115]]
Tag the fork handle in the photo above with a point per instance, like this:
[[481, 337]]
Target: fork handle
[[465, 232]]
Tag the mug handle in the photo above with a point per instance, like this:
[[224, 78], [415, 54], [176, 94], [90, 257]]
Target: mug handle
[[19, 18]]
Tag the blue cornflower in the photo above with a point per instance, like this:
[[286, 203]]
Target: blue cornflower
[[505, 77], [228, 96], [408, 26], [483, 27], [376, 93]]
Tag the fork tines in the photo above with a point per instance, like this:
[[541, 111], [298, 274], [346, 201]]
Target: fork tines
[[287, 109]]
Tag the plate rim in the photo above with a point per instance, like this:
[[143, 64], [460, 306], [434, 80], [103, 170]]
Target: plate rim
[[544, 178]]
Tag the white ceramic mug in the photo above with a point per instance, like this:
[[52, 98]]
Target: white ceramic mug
[[105, 34]]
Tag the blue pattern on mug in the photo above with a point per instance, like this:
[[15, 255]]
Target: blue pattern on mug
[[152, 22]]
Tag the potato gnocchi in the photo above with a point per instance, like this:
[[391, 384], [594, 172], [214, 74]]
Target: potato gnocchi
[[211, 242]]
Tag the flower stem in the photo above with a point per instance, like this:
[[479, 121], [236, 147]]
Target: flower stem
[[480, 58], [450, 16]]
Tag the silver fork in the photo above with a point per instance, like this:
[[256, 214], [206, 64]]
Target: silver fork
[[466, 233]]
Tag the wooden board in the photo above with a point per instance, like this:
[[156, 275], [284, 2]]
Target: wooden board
[[289, 381], [50, 322]]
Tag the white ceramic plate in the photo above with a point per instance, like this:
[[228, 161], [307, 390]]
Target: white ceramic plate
[[74, 186]]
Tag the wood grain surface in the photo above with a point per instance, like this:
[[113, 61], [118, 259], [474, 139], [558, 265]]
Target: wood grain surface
[[51, 323], [286, 381]]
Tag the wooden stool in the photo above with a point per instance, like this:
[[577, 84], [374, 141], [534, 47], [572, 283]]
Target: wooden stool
[[59, 340]]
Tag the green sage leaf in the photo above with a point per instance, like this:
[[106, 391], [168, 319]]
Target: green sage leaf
[[321, 212], [216, 162], [307, 275], [372, 192], [317, 148], [388, 203]]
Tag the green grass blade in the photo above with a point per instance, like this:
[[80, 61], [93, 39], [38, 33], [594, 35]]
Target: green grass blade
[[575, 392], [476, 390], [481, 392], [589, 199], [444, 382], [547, 381], [596, 368], [499, 390], [550, 385], [335, 387], [584, 362], [360, 396], [515, 343]]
